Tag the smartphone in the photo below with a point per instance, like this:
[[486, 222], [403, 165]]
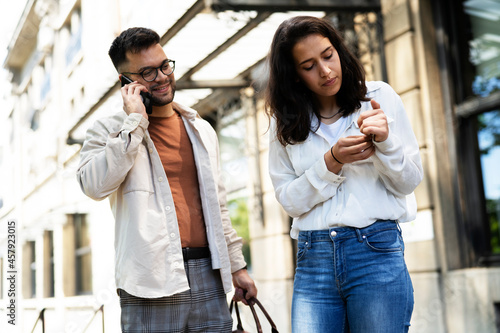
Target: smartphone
[[146, 97]]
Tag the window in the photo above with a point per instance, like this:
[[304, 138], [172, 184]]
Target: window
[[232, 133], [29, 270], [77, 256], [489, 152], [475, 58], [484, 46], [83, 256], [48, 269], [2, 277], [74, 27]]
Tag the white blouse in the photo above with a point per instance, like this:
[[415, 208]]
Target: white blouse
[[380, 187]]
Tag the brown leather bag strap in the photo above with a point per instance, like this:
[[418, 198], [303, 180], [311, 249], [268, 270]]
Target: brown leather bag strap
[[239, 326], [253, 301]]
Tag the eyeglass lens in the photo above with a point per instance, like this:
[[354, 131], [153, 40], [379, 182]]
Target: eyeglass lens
[[166, 68]]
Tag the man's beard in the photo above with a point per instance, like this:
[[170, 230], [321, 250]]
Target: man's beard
[[165, 99]]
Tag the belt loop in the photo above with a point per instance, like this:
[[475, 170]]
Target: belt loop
[[399, 226], [359, 235]]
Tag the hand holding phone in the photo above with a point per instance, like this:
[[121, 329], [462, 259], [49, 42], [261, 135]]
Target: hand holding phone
[[146, 97]]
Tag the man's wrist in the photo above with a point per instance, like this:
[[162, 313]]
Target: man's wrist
[[242, 268]]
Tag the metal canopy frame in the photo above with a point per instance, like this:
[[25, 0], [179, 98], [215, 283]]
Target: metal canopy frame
[[294, 5], [263, 9]]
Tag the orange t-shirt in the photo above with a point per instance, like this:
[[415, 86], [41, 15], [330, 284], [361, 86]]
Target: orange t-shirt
[[176, 154]]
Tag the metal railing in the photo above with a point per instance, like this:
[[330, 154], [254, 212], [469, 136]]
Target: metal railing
[[41, 318], [101, 309]]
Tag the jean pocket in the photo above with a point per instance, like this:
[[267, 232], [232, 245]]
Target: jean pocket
[[302, 248], [386, 241]]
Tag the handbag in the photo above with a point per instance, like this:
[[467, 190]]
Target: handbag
[[251, 303]]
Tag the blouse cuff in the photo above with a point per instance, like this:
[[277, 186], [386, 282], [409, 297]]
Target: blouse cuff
[[326, 175], [386, 145]]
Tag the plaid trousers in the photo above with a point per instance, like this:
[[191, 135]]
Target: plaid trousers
[[203, 308]]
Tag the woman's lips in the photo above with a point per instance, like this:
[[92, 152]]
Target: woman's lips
[[330, 82]]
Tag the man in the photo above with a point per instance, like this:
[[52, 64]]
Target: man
[[175, 247]]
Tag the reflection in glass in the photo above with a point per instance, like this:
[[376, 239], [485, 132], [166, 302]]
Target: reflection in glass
[[489, 148], [484, 47], [232, 147]]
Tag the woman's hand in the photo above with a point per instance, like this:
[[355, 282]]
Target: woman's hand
[[374, 123], [347, 150]]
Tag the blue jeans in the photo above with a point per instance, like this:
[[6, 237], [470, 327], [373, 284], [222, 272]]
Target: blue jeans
[[352, 280]]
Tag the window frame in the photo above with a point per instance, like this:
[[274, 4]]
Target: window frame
[[464, 107]]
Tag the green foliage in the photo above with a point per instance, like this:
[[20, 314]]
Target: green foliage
[[489, 127], [238, 212], [493, 211]]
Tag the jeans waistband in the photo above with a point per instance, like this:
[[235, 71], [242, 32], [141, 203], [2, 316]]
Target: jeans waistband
[[346, 232]]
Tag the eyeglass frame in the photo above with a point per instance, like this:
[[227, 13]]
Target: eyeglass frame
[[141, 73]]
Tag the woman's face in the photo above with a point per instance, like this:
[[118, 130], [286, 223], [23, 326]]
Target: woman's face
[[318, 65]]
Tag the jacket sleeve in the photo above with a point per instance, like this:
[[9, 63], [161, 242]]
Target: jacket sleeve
[[106, 156], [397, 159], [298, 194]]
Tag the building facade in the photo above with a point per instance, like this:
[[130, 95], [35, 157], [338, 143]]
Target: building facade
[[443, 58]]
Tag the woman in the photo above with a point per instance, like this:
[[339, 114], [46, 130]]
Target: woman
[[344, 163]]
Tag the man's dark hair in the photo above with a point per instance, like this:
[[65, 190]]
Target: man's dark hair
[[291, 102], [132, 40]]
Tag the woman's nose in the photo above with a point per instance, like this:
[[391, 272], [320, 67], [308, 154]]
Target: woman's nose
[[324, 69]]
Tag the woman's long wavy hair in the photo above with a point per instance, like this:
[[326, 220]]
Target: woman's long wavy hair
[[290, 102]]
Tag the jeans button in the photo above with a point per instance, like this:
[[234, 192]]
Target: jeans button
[[333, 233]]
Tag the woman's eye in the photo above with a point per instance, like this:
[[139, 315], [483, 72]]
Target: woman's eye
[[329, 56], [308, 68]]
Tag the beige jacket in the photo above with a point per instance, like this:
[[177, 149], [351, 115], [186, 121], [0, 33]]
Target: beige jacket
[[120, 161]]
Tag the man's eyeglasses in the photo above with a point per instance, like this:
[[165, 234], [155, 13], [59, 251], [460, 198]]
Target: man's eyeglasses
[[150, 74]]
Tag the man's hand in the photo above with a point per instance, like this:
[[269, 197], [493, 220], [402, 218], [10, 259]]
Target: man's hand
[[132, 100], [374, 123], [244, 286]]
